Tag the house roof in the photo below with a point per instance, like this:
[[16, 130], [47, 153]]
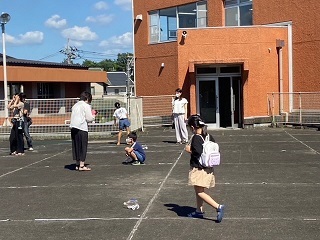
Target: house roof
[[11, 61], [118, 79]]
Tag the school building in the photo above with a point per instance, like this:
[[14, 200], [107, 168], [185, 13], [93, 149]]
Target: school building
[[227, 55]]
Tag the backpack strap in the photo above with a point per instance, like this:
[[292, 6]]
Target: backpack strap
[[205, 139]]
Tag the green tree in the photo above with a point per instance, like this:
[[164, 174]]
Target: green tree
[[109, 65]]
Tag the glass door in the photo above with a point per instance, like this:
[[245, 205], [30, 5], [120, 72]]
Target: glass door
[[208, 101]]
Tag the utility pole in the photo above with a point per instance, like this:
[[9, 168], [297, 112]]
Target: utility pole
[[70, 52], [129, 66]]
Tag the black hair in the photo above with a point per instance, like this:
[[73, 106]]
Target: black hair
[[86, 96], [21, 96], [133, 135], [117, 105], [179, 90], [197, 122]]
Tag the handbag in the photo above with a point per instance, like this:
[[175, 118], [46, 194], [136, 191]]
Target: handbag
[[29, 120], [13, 120]]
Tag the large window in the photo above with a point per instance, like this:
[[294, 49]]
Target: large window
[[238, 12], [163, 24], [45, 90]]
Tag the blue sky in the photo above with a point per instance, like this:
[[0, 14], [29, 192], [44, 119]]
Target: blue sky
[[39, 29]]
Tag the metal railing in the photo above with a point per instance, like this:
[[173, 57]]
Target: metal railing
[[294, 108], [53, 115]]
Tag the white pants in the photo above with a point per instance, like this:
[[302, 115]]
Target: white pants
[[181, 127]]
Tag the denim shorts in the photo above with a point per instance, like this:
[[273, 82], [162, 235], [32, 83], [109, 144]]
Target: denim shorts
[[139, 156], [124, 123]]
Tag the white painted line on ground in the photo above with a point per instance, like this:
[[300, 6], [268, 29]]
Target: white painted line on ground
[[81, 219], [135, 228], [159, 218], [158, 183], [303, 143], [5, 174]]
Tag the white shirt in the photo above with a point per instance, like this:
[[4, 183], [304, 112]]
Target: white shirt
[[178, 106], [81, 115], [120, 113]]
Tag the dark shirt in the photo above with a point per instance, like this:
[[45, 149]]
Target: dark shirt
[[196, 150]]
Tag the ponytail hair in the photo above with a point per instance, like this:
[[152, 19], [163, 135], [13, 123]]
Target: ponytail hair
[[117, 105], [197, 122]]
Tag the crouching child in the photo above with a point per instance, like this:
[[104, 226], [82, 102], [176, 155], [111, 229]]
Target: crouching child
[[135, 152]]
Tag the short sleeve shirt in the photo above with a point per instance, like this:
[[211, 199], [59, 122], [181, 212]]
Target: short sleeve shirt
[[120, 113], [178, 105]]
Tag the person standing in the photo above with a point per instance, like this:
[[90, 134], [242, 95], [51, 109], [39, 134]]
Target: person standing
[[201, 177], [121, 115], [179, 112], [16, 134], [27, 122], [80, 116]]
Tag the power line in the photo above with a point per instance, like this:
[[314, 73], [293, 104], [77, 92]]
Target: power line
[[49, 56]]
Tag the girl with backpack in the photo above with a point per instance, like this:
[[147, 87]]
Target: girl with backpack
[[201, 177]]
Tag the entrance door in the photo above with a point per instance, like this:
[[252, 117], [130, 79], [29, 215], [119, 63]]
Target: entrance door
[[208, 100], [229, 104]]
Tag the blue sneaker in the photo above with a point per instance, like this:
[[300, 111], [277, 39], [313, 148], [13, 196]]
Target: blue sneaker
[[220, 211], [196, 214]]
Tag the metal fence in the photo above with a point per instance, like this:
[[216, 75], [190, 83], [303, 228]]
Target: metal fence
[[294, 108], [53, 115]]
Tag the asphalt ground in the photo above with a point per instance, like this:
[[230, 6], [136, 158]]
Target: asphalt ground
[[269, 180]]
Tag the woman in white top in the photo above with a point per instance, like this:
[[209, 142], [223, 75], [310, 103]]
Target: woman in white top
[[179, 111], [80, 116]]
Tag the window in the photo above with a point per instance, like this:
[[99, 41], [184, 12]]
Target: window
[[168, 24], [238, 12], [230, 69], [154, 26], [204, 70], [202, 14], [163, 24], [45, 90], [187, 15]]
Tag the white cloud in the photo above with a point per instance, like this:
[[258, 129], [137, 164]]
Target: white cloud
[[101, 5], [103, 19], [56, 22], [79, 34], [28, 38], [75, 43], [122, 41], [125, 4]]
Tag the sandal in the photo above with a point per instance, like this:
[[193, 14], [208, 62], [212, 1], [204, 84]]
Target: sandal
[[84, 168], [77, 167]]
